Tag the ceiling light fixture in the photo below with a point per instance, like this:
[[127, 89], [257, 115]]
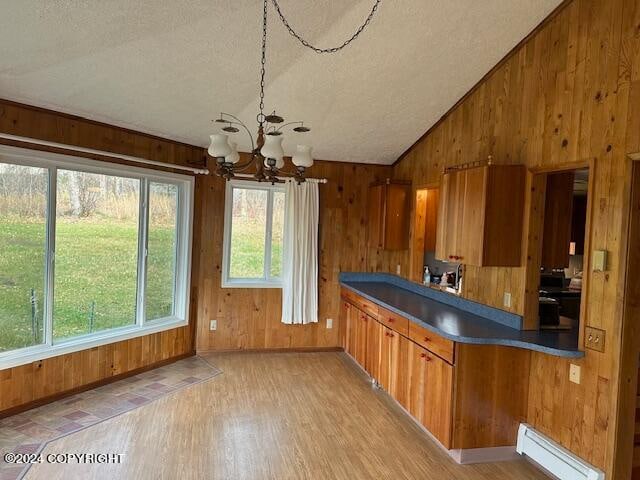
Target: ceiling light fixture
[[267, 154]]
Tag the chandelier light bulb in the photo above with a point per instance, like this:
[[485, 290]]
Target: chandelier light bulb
[[272, 148], [234, 156], [219, 146], [302, 157]]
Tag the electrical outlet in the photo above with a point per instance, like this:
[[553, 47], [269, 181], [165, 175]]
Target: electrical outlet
[[398, 269], [574, 374], [329, 322], [213, 325], [507, 299]]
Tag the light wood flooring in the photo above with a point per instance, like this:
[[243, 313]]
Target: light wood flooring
[[271, 416]]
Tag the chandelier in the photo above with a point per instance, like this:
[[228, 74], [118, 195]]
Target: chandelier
[[267, 153]]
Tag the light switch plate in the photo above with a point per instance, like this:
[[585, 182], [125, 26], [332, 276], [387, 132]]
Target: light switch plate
[[594, 339], [213, 325], [599, 260], [329, 322], [507, 299], [574, 373]]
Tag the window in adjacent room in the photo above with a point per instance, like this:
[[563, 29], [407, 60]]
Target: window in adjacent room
[[253, 235]]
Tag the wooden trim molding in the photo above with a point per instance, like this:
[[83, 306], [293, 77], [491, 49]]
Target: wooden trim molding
[[625, 427]]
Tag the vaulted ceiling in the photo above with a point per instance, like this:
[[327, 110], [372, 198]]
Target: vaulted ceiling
[[168, 67]]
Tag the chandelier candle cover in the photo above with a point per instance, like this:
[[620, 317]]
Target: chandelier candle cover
[[267, 154]]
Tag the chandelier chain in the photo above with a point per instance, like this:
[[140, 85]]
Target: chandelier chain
[[304, 42], [263, 62]]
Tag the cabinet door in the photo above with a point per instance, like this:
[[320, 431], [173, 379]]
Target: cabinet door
[[437, 397], [396, 217], [400, 369], [345, 311], [374, 339], [417, 374], [470, 236], [375, 219], [353, 316], [360, 353], [386, 359], [449, 215]]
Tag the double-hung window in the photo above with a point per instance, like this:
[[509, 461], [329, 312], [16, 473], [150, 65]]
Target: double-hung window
[[90, 253], [253, 235]]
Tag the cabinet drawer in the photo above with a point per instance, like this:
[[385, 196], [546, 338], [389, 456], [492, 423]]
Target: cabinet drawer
[[434, 343], [361, 303], [393, 321]]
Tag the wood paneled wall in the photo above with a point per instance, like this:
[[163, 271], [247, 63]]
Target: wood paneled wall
[[250, 318], [568, 96], [38, 381]]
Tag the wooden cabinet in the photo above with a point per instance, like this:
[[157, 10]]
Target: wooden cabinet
[[481, 215], [486, 386], [430, 396], [558, 208], [360, 341], [345, 311], [389, 207], [374, 344], [394, 365]]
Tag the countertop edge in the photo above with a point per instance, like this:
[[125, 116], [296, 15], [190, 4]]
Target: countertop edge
[[470, 340]]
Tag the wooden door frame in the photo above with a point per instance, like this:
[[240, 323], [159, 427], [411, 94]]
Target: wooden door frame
[[627, 379], [533, 236]]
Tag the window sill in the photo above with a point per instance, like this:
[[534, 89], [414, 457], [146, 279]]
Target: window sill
[[250, 284], [36, 353]]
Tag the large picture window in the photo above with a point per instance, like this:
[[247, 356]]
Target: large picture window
[[253, 235], [90, 253]]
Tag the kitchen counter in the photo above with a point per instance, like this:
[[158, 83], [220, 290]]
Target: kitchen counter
[[457, 319]]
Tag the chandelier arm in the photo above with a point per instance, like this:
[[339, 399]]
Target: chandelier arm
[[289, 123], [304, 42], [241, 123]]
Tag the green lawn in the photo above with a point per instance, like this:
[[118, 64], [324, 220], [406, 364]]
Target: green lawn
[[95, 276]]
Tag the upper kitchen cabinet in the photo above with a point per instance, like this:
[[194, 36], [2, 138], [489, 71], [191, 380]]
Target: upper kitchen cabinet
[[480, 215], [389, 205]]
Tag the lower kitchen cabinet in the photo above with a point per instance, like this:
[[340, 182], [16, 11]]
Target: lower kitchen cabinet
[[430, 391], [467, 396], [394, 363], [375, 332]]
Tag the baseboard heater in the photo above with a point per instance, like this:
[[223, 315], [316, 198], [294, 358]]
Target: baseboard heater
[[554, 458]]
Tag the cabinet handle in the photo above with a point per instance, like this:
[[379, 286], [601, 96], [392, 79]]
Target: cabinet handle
[[391, 320], [427, 359], [427, 339], [389, 334], [423, 355], [451, 257]]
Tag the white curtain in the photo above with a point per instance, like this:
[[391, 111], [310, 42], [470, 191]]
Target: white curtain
[[300, 263]]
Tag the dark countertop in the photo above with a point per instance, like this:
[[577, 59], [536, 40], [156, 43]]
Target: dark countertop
[[461, 326]]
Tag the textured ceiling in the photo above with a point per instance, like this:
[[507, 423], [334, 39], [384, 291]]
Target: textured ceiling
[[168, 67]]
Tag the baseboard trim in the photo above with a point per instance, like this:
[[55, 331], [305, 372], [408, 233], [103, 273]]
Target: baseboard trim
[[469, 456], [83, 388], [272, 350]]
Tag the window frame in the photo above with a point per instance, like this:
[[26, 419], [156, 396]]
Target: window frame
[[267, 281], [182, 279]]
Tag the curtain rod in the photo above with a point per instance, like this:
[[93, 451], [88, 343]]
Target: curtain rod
[[128, 158], [312, 180]]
